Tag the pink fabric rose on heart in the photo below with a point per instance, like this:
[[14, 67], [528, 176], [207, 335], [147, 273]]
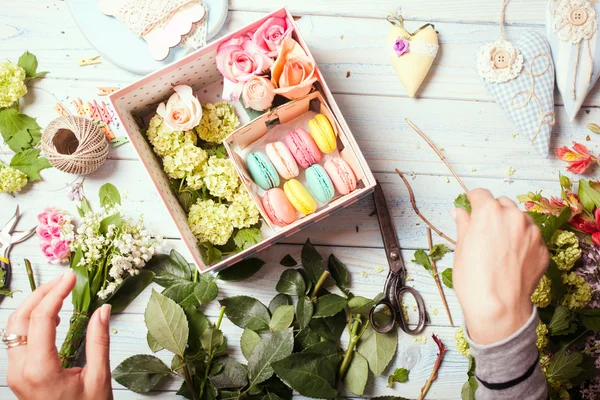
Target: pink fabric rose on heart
[[258, 93], [270, 34], [294, 72], [56, 233], [183, 111], [238, 60], [401, 46]]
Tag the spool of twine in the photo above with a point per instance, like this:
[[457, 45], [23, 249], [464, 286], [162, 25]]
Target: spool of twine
[[74, 145]]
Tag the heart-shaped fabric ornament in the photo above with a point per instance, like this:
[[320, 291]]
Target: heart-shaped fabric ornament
[[521, 79], [412, 54], [572, 28]]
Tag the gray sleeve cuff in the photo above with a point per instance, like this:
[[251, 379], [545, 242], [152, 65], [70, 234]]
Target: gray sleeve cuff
[[508, 361]]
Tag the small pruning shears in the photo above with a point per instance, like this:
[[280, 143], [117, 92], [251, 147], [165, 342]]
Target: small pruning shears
[[8, 238]]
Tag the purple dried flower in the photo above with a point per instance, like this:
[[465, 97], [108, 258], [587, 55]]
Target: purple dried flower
[[590, 389], [76, 191], [401, 46], [590, 270]]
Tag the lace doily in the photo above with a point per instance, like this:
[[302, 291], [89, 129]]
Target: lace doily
[[141, 16], [428, 49], [569, 31], [488, 70], [197, 36]]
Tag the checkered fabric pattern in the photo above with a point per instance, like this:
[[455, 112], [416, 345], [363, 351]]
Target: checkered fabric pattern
[[530, 119]]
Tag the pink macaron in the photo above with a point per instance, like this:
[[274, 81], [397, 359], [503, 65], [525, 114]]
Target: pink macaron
[[303, 148], [278, 208], [282, 159], [341, 175]]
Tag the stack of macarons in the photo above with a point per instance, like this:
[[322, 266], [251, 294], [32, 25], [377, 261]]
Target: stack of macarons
[[300, 150]]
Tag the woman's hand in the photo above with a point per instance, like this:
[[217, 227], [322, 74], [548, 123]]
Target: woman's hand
[[499, 259], [34, 369]]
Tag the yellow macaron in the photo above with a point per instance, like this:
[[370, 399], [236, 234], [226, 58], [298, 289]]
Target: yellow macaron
[[299, 196], [323, 134]]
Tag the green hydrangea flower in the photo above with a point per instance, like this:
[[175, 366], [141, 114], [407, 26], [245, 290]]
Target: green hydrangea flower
[[242, 212], [542, 296], [218, 121], [12, 83], [209, 221], [565, 246], [542, 336], [184, 161], [11, 180], [220, 178], [462, 346], [166, 141], [579, 292]]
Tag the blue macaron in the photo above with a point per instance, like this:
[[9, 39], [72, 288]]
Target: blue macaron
[[319, 183], [262, 170]]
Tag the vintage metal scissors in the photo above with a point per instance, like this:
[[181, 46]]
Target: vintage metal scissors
[[395, 286], [8, 238]]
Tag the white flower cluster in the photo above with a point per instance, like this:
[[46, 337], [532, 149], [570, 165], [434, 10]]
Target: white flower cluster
[[123, 247]]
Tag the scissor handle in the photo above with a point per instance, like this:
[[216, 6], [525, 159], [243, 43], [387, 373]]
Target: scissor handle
[[391, 323], [398, 316]]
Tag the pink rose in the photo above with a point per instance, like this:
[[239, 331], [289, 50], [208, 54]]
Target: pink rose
[[62, 251], [183, 111], [43, 232], [48, 250], [55, 231], [294, 72], [258, 93], [43, 217], [238, 60], [53, 217], [270, 34]]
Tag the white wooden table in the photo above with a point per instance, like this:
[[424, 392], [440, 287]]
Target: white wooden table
[[347, 39]]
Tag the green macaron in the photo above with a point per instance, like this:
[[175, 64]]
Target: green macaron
[[262, 170], [319, 183]]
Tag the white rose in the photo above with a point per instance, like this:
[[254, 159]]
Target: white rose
[[183, 110], [258, 93]]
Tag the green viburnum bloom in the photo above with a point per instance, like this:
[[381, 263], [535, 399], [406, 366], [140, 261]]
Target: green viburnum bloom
[[565, 247], [218, 121], [542, 295], [542, 336], [11, 180], [12, 83], [579, 292], [462, 346]]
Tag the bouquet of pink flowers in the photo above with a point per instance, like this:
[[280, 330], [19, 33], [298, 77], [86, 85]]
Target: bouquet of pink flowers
[[265, 63], [56, 232]]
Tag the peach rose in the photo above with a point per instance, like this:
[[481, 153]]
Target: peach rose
[[293, 73], [258, 93], [238, 60], [183, 110], [270, 34]]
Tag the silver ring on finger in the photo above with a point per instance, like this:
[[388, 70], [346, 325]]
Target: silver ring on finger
[[11, 340]]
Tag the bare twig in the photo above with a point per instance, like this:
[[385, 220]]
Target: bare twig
[[440, 155], [414, 206], [436, 367], [436, 277]]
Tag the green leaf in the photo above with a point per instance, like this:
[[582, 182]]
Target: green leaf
[[291, 282], [362, 305], [590, 318], [588, 196], [248, 342], [152, 344], [438, 251], [127, 291], [141, 373], [288, 261], [81, 295], [447, 278], [271, 396], [241, 271], [422, 258], [168, 270], [305, 338], [270, 349], [114, 219], [470, 386], [233, 375], [564, 366], [589, 370], [329, 350], [197, 323], [182, 293], [246, 312], [378, 348], [558, 288], [29, 162], [388, 398], [538, 218], [247, 237], [400, 375], [109, 195], [330, 328], [206, 289], [211, 339], [338, 271], [85, 208], [282, 318], [304, 311], [17, 128], [274, 385], [329, 305], [29, 63], [357, 375], [21, 141], [462, 201], [553, 223], [167, 323], [280, 300], [309, 374], [560, 320], [312, 262]]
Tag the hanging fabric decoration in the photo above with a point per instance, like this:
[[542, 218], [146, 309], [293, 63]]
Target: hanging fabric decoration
[[412, 54], [572, 27], [520, 76]]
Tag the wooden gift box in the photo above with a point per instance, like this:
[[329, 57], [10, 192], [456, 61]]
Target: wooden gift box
[[136, 103]]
